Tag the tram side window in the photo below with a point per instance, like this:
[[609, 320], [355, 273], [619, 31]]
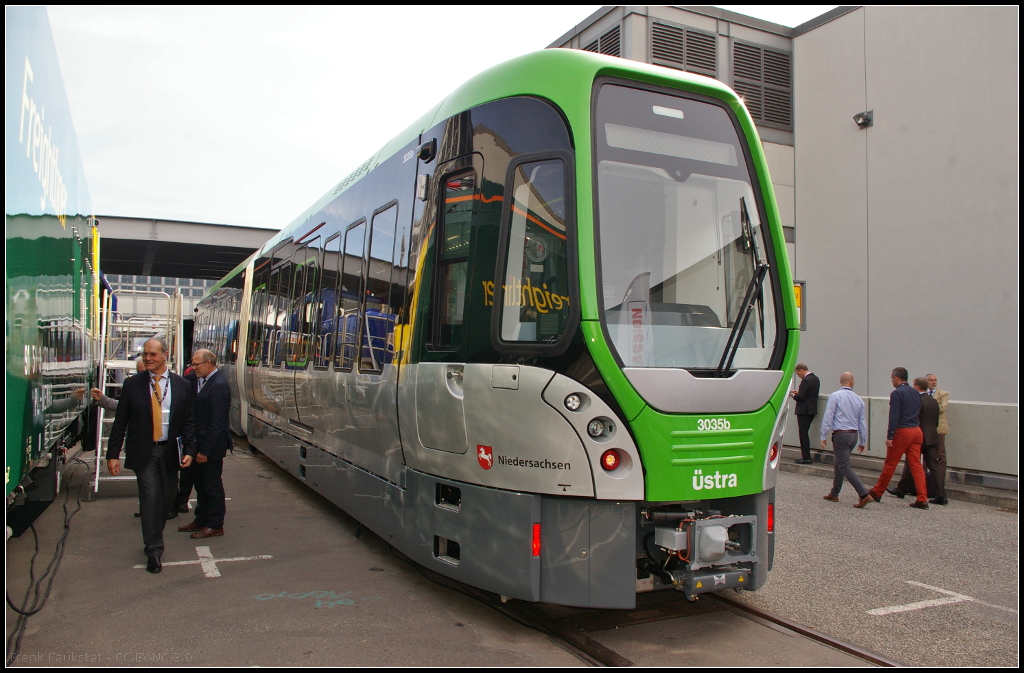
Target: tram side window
[[307, 274], [458, 209], [535, 292], [283, 279], [327, 292], [257, 314], [347, 323], [379, 319], [270, 317]]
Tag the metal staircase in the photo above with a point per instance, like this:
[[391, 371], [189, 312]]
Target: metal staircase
[[122, 337]]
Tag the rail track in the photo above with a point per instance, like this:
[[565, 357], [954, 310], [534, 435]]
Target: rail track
[[572, 627]]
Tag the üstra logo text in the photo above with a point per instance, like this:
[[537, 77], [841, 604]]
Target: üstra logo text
[[717, 480]]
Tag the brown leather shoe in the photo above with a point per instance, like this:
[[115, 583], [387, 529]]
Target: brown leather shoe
[[207, 532], [189, 528], [830, 498], [865, 500]]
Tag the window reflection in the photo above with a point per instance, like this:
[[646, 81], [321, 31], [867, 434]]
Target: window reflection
[[535, 288]]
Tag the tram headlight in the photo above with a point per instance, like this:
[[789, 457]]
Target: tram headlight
[[573, 402], [610, 459], [595, 428]]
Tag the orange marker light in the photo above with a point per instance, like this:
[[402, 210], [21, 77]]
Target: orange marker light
[[610, 459], [536, 539]]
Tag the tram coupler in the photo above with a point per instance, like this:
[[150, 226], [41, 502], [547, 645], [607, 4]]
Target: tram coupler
[[694, 583]]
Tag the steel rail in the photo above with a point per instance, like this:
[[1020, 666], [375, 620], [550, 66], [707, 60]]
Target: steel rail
[[855, 650]]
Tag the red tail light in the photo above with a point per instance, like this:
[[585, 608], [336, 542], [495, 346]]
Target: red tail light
[[774, 452], [771, 517], [536, 539], [610, 459]]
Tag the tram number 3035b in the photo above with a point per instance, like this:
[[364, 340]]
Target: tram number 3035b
[[713, 424]]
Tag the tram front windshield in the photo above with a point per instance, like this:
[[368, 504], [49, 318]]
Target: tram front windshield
[[681, 241]]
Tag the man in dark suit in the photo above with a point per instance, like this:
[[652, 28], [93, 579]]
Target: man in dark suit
[[186, 477], [806, 409], [929, 418], [213, 439], [153, 413]]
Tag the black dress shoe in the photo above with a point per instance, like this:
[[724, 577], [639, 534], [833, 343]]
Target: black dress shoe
[[154, 564], [183, 508], [173, 514], [800, 461], [939, 501], [894, 493]]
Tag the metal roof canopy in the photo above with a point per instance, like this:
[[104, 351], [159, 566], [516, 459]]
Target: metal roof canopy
[[155, 247]]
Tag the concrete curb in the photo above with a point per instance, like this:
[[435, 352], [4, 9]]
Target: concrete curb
[[954, 491]]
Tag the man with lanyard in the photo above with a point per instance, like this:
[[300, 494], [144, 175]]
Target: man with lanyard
[[154, 414], [844, 416], [903, 436]]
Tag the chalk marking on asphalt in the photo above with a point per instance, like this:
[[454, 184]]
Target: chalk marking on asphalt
[[951, 597], [208, 563]]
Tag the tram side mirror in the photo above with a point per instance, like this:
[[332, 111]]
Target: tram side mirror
[[427, 151]]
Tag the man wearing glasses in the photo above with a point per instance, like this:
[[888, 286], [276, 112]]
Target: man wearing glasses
[[213, 439]]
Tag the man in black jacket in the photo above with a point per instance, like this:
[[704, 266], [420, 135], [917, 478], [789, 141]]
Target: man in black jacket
[[806, 409], [213, 439], [153, 413]]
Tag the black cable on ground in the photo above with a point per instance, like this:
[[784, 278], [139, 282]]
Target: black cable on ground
[[34, 586]]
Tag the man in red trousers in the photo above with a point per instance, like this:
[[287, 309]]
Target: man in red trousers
[[904, 436]]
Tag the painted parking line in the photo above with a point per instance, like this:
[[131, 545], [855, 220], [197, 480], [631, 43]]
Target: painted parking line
[[950, 598], [208, 563]]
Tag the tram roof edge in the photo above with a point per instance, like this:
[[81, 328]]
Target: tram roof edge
[[543, 73]]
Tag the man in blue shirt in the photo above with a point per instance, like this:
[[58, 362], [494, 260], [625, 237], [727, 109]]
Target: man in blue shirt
[[844, 416], [903, 436]]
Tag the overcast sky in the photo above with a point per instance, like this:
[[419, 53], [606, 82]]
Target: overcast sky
[[247, 117]]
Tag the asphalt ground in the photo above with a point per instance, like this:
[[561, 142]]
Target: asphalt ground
[[835, 563], [305, 590]]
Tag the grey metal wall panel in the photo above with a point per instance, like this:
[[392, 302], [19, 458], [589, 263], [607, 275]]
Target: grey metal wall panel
[[372, 501], [588, 553], [493, 528], [612, 558], [565, 535]]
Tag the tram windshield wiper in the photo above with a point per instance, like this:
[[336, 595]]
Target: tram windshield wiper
[[733, 344], [753, 295], [748, 230]]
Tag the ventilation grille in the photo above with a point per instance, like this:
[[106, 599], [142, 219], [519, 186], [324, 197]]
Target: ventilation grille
[[764, 79], [610, 43], [684, 49]]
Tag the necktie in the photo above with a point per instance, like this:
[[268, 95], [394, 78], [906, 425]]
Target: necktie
[[158, 414], [201, 382]]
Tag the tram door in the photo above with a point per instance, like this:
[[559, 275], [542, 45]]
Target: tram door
[[440, 407]]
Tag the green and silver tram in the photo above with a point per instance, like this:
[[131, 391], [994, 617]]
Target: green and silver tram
[[51, 270], [541, 342]]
